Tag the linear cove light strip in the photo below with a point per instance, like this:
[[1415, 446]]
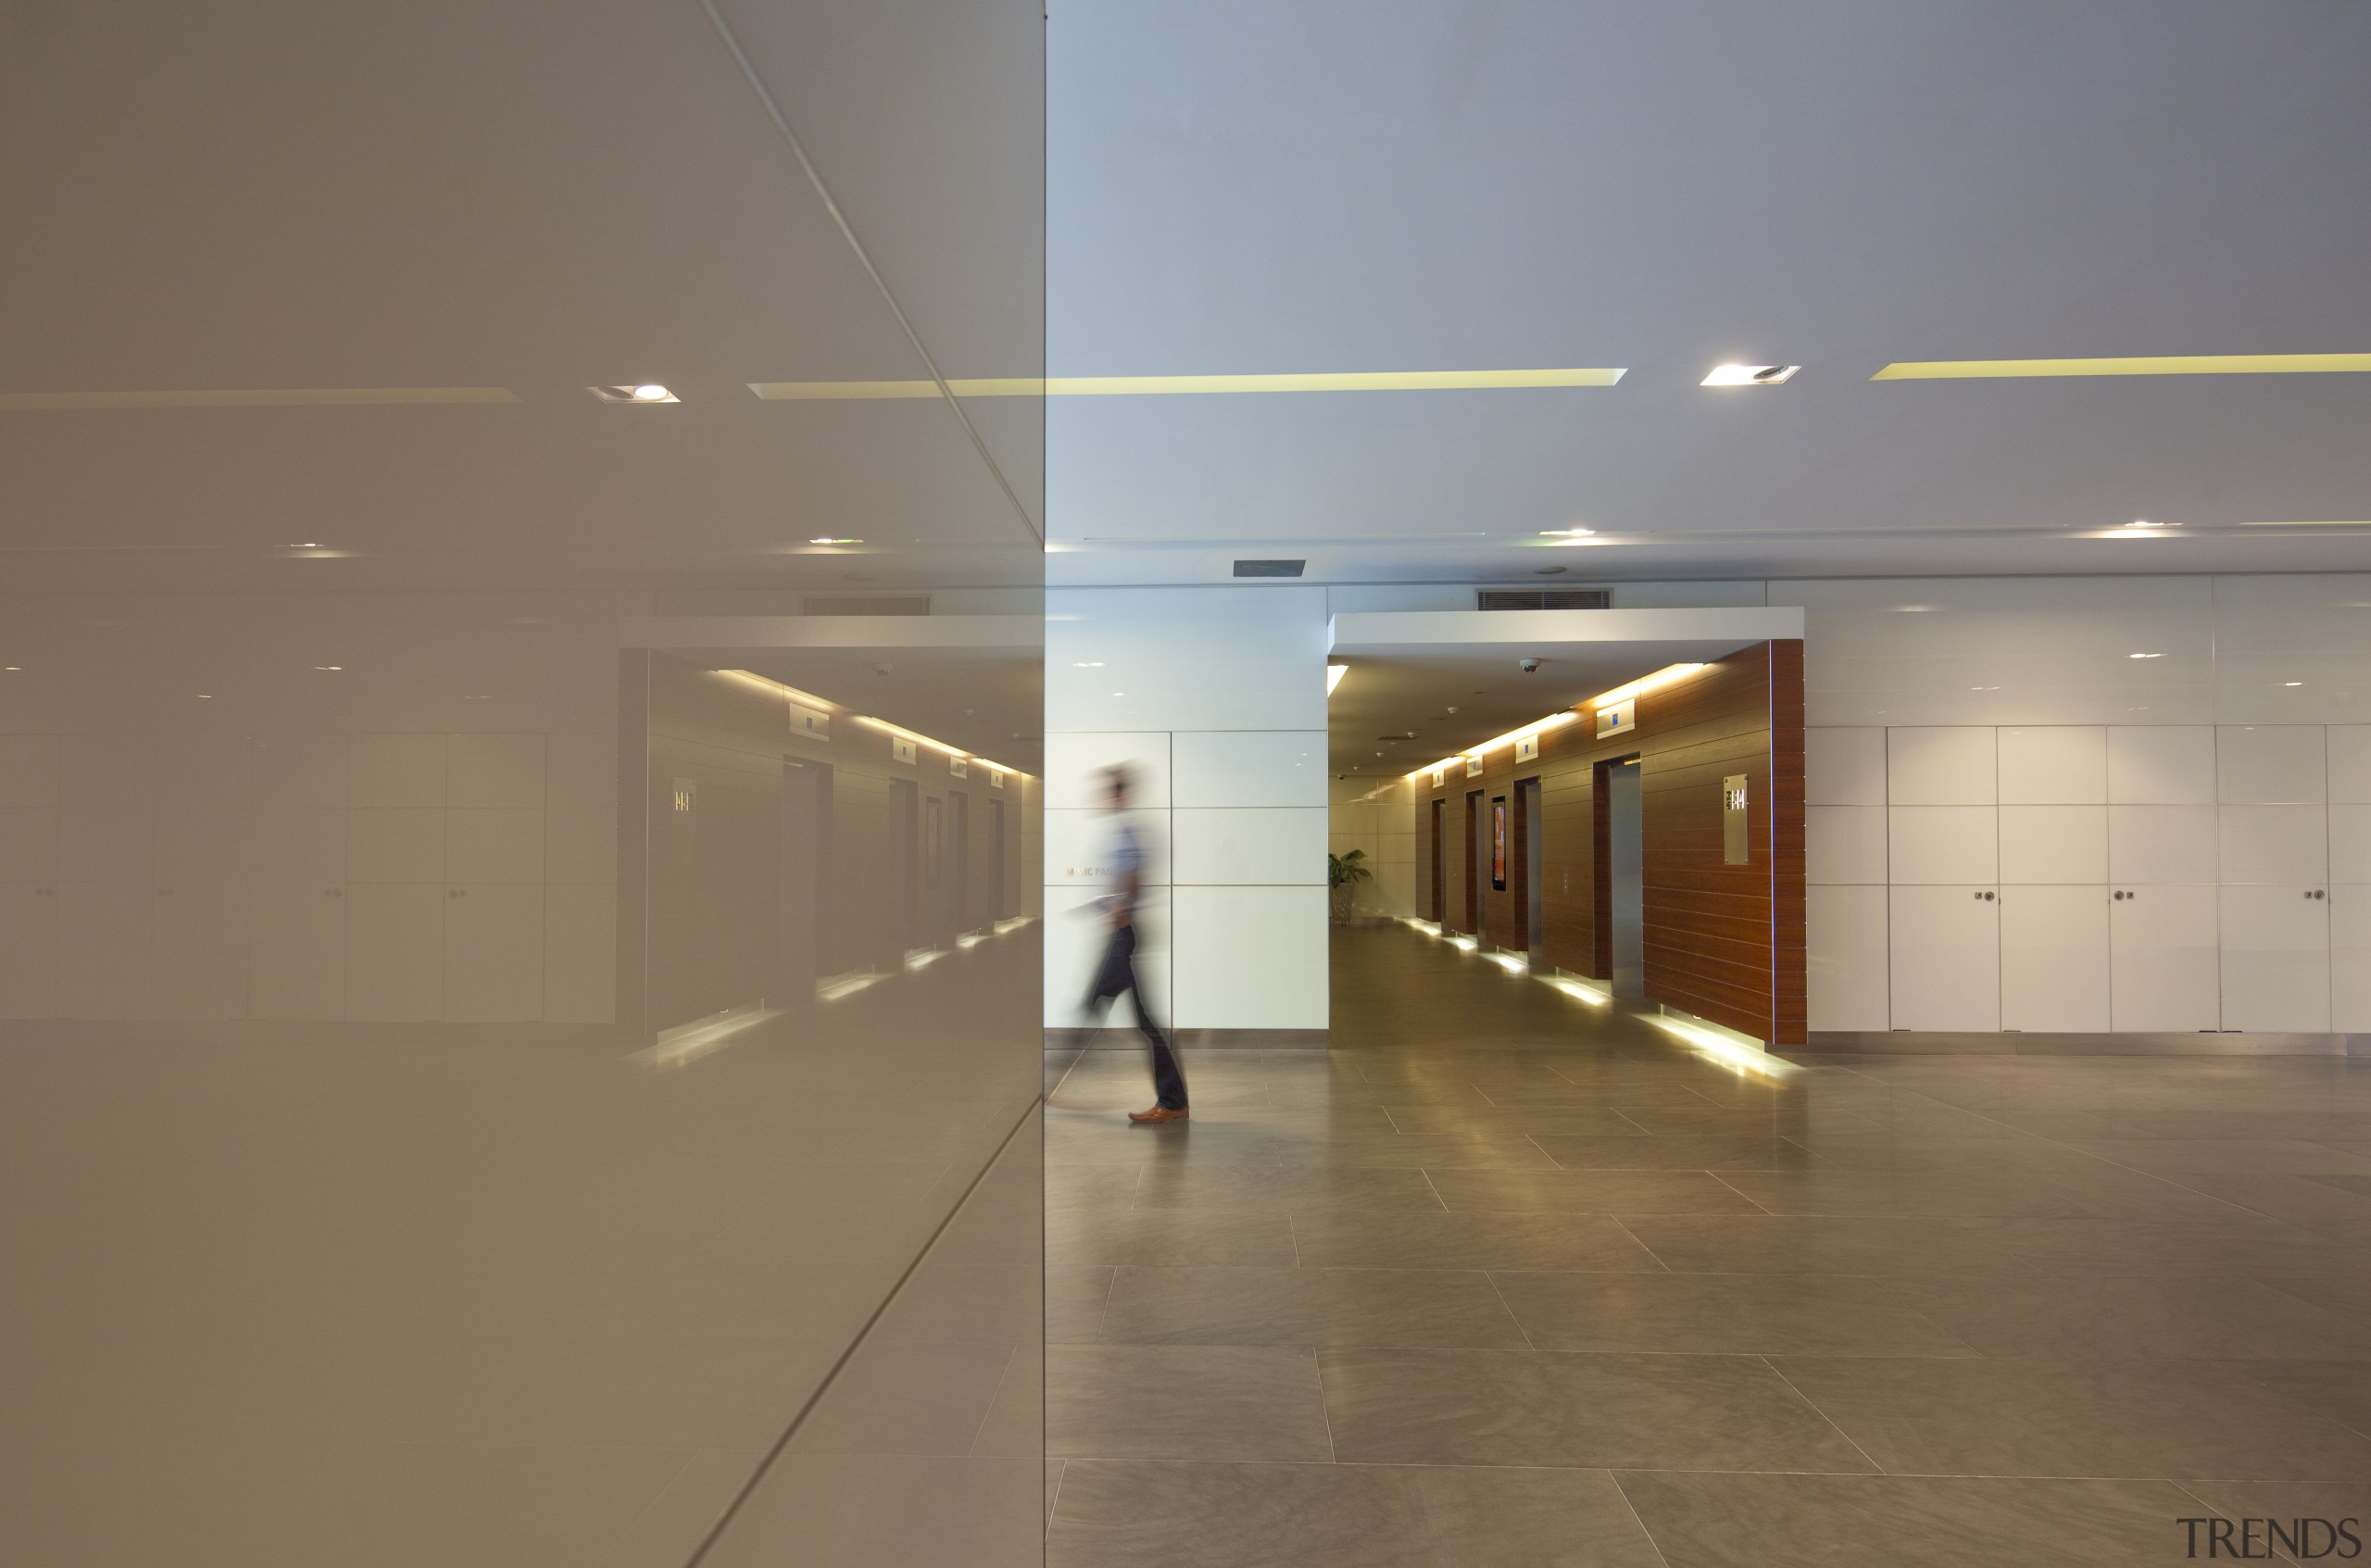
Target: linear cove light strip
[[1141, 386], [2171, 365]]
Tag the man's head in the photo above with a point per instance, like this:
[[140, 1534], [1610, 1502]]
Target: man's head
[[1116, 787]]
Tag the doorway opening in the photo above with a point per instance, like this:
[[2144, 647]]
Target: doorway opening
[[1436, 903], [1477, 853], [1529, 835]]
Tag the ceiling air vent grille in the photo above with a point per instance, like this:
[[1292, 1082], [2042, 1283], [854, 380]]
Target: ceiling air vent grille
[[1269, 568], [1543, 598], [902, 604]]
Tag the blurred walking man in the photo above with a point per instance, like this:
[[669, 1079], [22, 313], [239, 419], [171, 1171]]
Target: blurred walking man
[[1125, 857]]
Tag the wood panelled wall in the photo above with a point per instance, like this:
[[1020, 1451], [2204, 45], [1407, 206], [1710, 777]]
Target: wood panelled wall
[[1723, 942]]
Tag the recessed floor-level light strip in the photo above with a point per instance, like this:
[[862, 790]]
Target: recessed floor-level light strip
[[1142, 386], [2166, 365], [242, 397]]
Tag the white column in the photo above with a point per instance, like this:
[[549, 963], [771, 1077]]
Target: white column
[[1216, 696]]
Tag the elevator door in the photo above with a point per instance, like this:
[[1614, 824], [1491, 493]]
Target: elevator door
[[1477, 861], [805, 802], [1627, 844], [995, 909], [1438, 903], [1529, 831]]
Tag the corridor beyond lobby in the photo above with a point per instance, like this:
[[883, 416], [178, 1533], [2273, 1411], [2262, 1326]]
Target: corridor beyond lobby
[[1501, 1278]]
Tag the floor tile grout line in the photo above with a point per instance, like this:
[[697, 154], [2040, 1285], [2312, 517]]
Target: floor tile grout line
[[1655, 1546], [1491, 1275], [1436, 1190], [1767, 1212], [973, 1449], [1807, 1399], [1642, 1246], [656, 1497]]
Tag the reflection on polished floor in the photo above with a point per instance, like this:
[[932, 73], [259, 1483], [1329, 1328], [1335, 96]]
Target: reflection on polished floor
[[1501, 1280]]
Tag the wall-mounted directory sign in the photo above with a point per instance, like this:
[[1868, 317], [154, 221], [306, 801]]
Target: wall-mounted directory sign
[[1617, 718]]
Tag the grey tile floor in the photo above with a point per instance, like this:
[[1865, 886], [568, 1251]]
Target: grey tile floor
[[1499, 1279]]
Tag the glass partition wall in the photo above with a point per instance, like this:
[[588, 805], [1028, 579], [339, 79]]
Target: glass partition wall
[[521, 620]]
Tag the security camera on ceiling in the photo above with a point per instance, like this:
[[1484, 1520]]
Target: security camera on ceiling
[[1528, 666]]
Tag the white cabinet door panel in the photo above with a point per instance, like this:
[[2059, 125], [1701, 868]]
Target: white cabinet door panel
[[1950, 765], [201, 933], [2161, 765], [106, 948], [2054, 957], [28, 949], [1942, 844], [2348, 749], [2054, 765], [2274, 843], [2054, 843], [2267, 764], [1845, 845], [2161, 844], [2276, 959], [2161, 947], [296, 951], [395, 952], [1945, 969], [2350, 958], [1845, 929], [494, 953], [2351, 844]]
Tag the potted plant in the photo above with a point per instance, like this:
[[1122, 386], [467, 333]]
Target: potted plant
[[1343, 873]]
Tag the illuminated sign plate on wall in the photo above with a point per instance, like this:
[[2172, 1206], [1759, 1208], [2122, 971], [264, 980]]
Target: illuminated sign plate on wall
[[1527, 750], [1440, 777], [1617, 718], [1474, 766], [900, 750], [813, 722], [958, 767]]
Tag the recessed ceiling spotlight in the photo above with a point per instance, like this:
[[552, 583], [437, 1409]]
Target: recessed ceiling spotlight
[[2147, 656], [836, 542], [2292, 683], [1086, 664], [1567, 533], [2144, 522], [329, 666], [1749, 375], [646, 392]]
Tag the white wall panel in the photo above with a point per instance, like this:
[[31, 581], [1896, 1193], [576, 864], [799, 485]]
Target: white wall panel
[[1074, 763], [119, 770], [27, 842], [395, 845], [2162, 944], [303, 772], [2054, 843], [202, 840], [2349, 747], [1844, 767], [1846, 931], [2163, 844], [2274, 843], [2268, 763], [580, 953], [1941, 844], [395, 771], [1187, 659], [1247, 767], [2055, 962], [580, 770], [201, 951], [494, 952], [106, 948], [1078, 846], [106, 843], [1243, 847], [2275, 960], [27, 770], [395, 952], [1946, 957], [28, 949], [1250, 958], [1844, 843], [2351, 957], [1951, 765], [2161, 765], [2351, 842], [581, 844], [494, 771], [2054, 765]]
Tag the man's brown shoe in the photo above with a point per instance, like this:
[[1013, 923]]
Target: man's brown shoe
[[1157, 1114]]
